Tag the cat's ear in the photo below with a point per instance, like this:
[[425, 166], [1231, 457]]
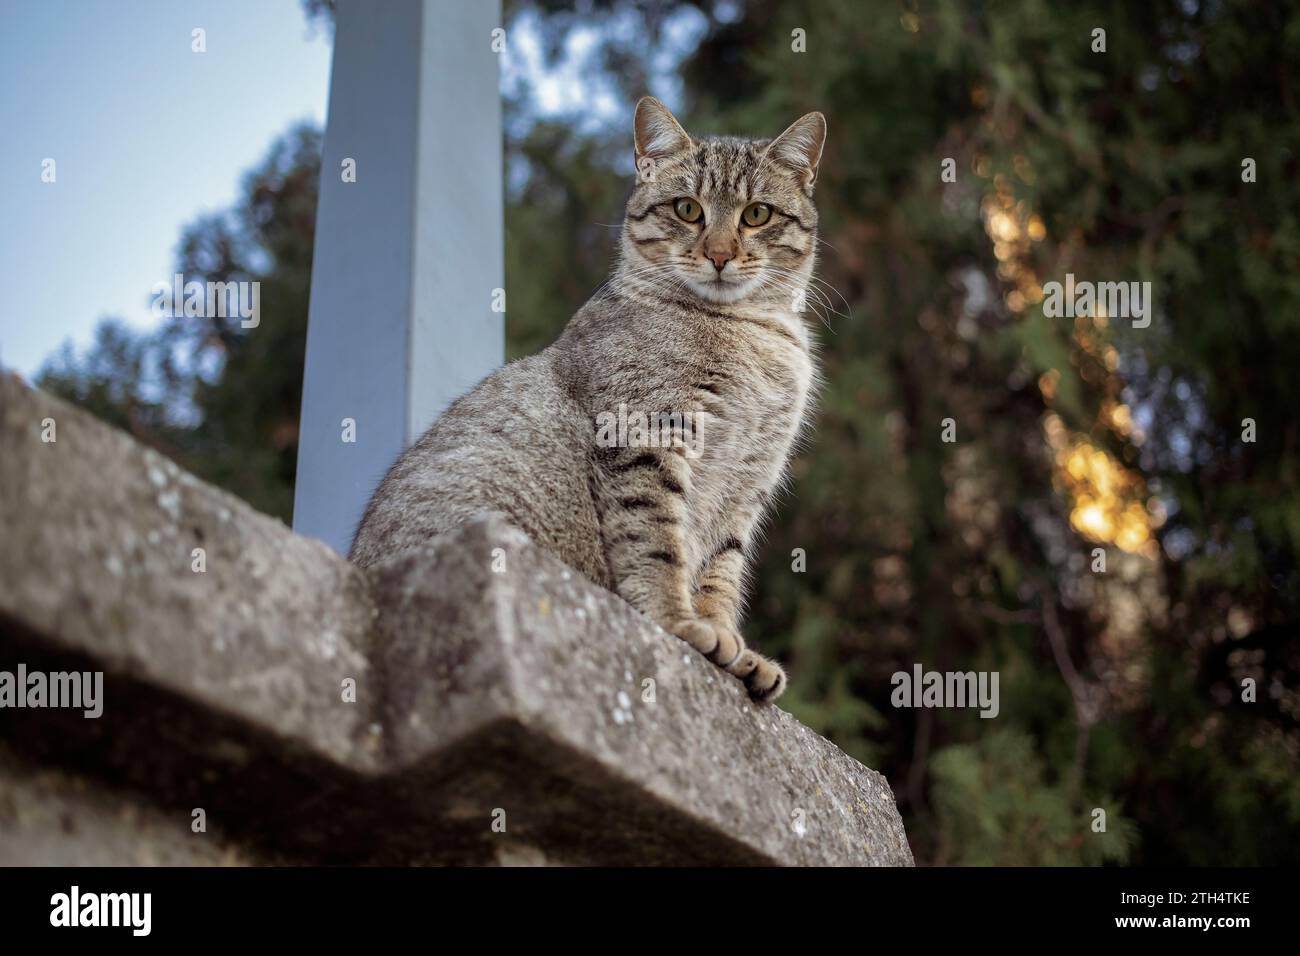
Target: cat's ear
[[655, 131], [799, 148]]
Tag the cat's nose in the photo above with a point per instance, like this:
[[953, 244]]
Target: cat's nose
[[719, 259]]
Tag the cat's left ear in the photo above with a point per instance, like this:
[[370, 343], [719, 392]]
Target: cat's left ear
[[799, 148]]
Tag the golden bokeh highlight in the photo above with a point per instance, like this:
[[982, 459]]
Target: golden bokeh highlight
[[1013, 227], [1109, 503]]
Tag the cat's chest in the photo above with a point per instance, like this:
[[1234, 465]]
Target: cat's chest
[[755, 404]]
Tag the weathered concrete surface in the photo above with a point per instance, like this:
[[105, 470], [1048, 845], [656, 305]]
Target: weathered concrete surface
[[493, 686], [52, 818], [574, 667], [99, 534]]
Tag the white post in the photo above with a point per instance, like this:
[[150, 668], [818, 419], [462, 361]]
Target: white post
[[408, 255]]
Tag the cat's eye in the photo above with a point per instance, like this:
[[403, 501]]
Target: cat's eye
[[756, 214], [688, 210]]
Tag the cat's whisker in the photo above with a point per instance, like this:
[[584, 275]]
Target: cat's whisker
[[791, 289], [820, 285], [633, 275]]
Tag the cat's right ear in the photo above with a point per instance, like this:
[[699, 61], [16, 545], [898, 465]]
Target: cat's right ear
[[656, 133]]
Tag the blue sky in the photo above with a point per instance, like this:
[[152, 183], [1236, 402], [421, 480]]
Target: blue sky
[[146, 135]]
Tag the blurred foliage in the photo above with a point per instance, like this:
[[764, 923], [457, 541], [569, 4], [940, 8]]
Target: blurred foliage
[[1121, 690]]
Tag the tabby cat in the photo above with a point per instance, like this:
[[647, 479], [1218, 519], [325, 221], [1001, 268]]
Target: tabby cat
[[645, 445]]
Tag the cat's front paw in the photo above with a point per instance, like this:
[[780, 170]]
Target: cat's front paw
[[730, 649], [720, 644], [764, 678]]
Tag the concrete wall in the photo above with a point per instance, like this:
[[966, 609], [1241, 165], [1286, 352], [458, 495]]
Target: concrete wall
[[473, 702]]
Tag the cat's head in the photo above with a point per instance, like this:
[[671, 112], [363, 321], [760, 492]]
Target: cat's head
[[730, 220]]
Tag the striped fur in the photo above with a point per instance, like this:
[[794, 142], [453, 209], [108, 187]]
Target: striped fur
[[700, 320]]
